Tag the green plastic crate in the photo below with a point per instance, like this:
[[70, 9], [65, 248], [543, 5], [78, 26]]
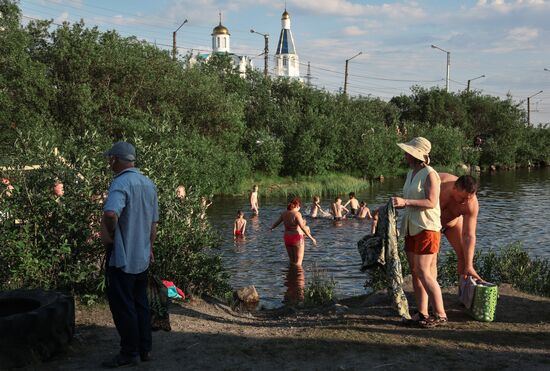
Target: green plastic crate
[[485, 302]]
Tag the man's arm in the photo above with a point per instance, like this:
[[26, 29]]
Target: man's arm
[[152, 238], [108, 225], [469, 239]]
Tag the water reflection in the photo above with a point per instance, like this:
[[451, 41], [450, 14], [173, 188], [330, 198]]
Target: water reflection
[[295, 282]]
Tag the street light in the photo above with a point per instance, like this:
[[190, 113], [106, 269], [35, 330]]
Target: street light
[[529, 107], [346, 74], [475, 78], [174, 49], [266, 48], [448, 66]]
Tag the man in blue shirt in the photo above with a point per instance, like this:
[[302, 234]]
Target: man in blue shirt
[[128, 229]]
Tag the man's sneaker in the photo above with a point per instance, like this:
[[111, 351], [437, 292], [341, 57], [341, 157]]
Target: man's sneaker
[[120, 361], [145, 356]]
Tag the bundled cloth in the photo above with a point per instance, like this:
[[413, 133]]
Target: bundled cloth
[[174, 292], [379, 251], [158, 304]]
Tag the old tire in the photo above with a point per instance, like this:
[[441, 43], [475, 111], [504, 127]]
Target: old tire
[[34, 325]]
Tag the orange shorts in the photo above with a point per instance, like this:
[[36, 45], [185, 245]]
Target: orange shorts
[[426, 242]]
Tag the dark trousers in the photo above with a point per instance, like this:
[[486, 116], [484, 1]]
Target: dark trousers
[[127, 294]]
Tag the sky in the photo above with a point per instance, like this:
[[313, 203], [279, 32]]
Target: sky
[[508, 41]]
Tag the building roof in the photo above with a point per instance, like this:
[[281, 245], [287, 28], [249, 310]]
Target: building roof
[[220, 30], [286, 43]]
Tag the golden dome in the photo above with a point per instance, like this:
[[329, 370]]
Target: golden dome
[[285, 15], [220, 30]]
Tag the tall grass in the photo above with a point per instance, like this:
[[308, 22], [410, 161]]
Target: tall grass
[[303, 186]]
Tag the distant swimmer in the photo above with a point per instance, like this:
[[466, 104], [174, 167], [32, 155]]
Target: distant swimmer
[[336, 209], [316, 209], [239, 226], [459, 210], [254, 206], [353, 204], [364, 211]]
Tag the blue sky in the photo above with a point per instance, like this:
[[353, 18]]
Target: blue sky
[[508, 41]]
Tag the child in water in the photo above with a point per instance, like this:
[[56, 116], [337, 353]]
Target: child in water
[[364, 211], [353, 203], [240, 225], [316, 208], [336, 209], [254, 201]]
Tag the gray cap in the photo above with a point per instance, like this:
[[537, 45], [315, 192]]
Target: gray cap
[[122, 150]]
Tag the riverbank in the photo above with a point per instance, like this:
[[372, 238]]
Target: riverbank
[[303, 186], [357, 333], [322, 185]]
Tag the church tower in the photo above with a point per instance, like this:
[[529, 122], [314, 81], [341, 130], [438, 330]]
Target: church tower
[[220, 38], [287, 63]]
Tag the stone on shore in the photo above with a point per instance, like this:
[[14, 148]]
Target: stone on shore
[[247, 294]]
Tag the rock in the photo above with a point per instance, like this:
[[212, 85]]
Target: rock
[[493, 168], [477, 169], [247, 295], [465, 168]]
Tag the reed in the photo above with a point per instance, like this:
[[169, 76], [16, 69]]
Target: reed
[[303, 186], [320, 290]]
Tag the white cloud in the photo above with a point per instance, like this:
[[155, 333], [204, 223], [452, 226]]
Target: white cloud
[[63, 17], [522, 34], [347, 8], [518, 38], [505, 7], [353, 31]]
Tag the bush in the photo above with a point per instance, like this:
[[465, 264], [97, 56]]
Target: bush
[[51, 243], [511, 265]]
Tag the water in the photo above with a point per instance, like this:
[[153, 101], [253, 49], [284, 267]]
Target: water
[[513, 207]]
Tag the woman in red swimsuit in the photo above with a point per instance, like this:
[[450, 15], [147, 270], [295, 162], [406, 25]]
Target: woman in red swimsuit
[[292, 219]]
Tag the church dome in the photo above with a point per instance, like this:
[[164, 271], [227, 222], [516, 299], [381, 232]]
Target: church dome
[[285, 15], [220, 30]]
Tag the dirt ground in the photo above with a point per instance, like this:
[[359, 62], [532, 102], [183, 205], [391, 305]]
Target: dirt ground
[[358, 333]]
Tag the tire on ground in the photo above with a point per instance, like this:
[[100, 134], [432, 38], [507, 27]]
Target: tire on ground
[[34, 325]]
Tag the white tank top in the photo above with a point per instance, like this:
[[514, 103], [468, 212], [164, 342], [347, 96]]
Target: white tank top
[[418, 219]]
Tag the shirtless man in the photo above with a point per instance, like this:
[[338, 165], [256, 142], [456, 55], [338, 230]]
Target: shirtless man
[[459, 209], [336, 209], [353, 203]]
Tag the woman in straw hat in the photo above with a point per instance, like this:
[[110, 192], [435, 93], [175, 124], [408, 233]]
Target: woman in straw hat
[[421, 227]]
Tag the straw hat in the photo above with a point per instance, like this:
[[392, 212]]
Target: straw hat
[[418, 148]]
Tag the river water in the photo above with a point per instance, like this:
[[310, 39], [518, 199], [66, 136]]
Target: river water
[[513, 207]]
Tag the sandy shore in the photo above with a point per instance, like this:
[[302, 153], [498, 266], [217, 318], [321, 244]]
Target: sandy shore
[[356, 334]]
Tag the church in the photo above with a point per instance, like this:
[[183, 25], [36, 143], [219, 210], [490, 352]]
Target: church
[[287, 63], [221, 44]]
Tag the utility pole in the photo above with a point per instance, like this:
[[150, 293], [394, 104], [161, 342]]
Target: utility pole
[[308, 76], [448, 74], [266, 49], [174, 47], [529, 107], [475, 78], [266, 54], [346, 72]]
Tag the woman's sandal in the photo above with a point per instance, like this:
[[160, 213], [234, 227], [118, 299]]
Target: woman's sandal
[[433, 322], [415, 320]]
